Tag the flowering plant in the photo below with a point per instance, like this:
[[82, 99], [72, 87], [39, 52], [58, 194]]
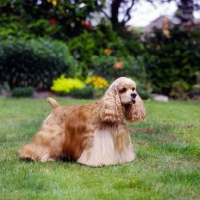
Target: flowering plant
[[86, 25], [118, 65], [54, 2], [52, 21], [97, 82], [107, 51], [64, 85]]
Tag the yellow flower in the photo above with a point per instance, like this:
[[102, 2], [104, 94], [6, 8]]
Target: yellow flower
[[54, 2], [66, 85], [97, 82]]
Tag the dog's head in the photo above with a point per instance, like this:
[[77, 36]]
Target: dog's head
[[126, 89], [122, 101]]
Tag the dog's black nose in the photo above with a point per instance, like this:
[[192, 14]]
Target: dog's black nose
[[133, 95]]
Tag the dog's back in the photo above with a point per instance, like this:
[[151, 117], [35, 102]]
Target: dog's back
[[63, 134]]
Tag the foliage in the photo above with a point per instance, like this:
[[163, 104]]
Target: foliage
[[37, 28], [23, 92], [104, 43], [195, 91], [58, 19], [70, 16], [66, 21], [108, 49], [197, 74], [166, 167], [144, 94], [168, 59], [93, 87], [64, 85], [84, 93], [179, 90], [34, 62], [112, 67], [82, 48]]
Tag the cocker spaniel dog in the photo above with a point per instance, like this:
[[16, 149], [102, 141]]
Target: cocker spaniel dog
[[95, 134]]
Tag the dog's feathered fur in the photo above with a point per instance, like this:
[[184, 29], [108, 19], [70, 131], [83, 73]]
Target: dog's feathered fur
[[95, 134]]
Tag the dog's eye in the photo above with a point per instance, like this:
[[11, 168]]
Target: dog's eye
[[122, 90], [133, 89]]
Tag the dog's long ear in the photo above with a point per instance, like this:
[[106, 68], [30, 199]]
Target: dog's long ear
[[110, 107], [135, 112]]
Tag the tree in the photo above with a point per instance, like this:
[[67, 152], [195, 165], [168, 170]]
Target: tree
[[123, 8], [69, 16], [185, 11]]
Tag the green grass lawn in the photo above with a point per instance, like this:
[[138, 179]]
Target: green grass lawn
[[167, 166]]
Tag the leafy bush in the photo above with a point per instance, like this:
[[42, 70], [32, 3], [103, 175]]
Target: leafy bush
[[83, 48], [23, 92], [57, 19], [34, 29], [111, 67], [34, 62], [94, 87], [144, 94], [179, 90], [86, 92], [170, 59], [104, 46], [64, 85]]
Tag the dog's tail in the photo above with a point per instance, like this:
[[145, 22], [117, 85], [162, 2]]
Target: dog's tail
[[53, 102]]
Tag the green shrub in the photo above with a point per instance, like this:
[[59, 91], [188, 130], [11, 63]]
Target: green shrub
[[90, 47], [34, 62], [83, 48], [179, 90], [143, 93], [111, 67], [11, 27], [85, 93], [57, 19], [170, 59], [23, 92], [64, 85]]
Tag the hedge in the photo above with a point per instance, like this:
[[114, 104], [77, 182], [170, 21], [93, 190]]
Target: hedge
[[34, 62]]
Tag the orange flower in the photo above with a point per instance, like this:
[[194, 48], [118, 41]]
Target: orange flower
[[107, 51], [118, 65]]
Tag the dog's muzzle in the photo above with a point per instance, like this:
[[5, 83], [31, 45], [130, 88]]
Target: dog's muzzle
[[133, 95]]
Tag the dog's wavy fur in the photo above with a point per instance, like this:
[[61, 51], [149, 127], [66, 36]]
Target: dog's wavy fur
[[95, 134]]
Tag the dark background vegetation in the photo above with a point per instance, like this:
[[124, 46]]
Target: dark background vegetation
[[40, 40]]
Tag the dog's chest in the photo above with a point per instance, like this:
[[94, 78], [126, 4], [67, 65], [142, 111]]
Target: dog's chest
[[109, 147]]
